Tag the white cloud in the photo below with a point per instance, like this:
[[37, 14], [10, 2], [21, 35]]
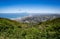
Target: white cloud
[[10, 10], [29, 10]]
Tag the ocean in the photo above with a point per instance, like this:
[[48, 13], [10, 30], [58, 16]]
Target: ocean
[[13, 15]]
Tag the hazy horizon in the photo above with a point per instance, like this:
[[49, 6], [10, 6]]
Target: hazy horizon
[[19, 15]]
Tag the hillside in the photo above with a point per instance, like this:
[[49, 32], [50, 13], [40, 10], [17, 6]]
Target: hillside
[[52, 28], [38, 18], [11, 29]]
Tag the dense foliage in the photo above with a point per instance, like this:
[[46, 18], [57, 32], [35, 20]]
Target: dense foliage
[[10, 29]]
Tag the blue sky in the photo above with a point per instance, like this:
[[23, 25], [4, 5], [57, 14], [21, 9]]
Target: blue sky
[[30, 6]]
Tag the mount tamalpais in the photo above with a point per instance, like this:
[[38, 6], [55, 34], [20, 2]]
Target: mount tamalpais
[[37, 18]]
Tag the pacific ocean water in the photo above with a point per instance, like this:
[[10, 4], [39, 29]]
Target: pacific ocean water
[[13, 15]]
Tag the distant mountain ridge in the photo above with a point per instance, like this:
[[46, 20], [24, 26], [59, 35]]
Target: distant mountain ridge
[[38, 18]]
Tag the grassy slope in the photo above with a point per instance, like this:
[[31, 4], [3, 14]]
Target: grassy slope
[[10, 29], [52, 28]]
